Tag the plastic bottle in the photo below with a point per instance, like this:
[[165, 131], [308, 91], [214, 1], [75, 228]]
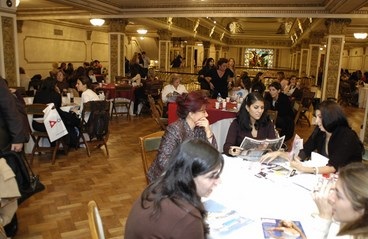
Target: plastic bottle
[[219, 98]]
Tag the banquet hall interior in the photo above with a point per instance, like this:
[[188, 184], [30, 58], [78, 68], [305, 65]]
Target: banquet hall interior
[[312, 39]]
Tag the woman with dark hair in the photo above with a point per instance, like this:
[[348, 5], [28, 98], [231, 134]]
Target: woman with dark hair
[[171, 206], [83, 85], [257, 84], [332, 138], [285, 115], [251, 121], [344, 202], [192, 123], [48, 93], [203, 74], [220, 78]]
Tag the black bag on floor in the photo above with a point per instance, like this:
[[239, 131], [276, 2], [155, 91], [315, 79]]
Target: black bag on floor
[[28, 183], [12, 227]]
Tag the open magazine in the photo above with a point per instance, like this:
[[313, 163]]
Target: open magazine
[[277, 228], [253, 149], [222, 220]]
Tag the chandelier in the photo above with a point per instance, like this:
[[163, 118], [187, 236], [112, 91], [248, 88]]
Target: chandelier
[[142, 31], [97, 22]]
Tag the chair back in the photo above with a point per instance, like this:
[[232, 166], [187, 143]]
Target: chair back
[[156, 112], [94, 221], [149, 147], [98, 121], [153, 88]]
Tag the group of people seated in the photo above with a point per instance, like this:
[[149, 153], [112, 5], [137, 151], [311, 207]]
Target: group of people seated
[[188, 166]]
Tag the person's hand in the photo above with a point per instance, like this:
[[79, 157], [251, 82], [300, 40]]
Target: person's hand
[[203, 122], [320, 197], [16, 147], [212, 86], [269, 157], [235, 150], [297, 164]]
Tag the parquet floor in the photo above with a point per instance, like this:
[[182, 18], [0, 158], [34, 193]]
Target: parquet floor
[[114, 183]]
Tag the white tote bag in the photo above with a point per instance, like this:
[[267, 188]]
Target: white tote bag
[[54, 125]]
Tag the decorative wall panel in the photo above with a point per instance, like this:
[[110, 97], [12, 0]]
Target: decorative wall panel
[[8, 29]]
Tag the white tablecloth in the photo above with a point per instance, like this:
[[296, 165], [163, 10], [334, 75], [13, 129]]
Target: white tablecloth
[[256, 198], [219, 130]]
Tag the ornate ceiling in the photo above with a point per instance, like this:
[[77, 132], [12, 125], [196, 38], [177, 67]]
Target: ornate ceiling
[[282, 22]]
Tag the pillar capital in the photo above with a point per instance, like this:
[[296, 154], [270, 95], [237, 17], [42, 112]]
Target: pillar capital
[[218, 47], [164, 34], [337, 26], [316, 37], [206, 44], [118, 25]]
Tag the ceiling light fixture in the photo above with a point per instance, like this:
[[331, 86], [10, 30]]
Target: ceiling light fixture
[[17, 2], [97, 22], [142, 31], [360, 35]]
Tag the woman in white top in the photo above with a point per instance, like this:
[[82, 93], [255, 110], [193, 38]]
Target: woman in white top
[[344, 202], [83, 85], [173, 89]]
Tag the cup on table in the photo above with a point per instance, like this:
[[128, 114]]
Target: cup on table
[[100, 84], [217, 105], [228, 99], [224, 104]]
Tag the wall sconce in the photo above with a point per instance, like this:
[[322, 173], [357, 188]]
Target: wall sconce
[[360, 35], [97, 22], [142, 31]]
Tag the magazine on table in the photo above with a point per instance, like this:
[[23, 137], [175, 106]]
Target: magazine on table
[[223, 220], [253, 149], [278, 228]]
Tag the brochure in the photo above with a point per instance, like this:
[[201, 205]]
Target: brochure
[[277, 228], [223, 220], [253, 149]]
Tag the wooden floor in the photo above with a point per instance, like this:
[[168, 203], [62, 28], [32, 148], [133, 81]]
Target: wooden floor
[[114, 183]]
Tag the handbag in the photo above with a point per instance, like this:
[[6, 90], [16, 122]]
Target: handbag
[[53, 123]]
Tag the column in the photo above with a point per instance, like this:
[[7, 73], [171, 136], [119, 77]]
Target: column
[[189, 54], [164, 49], [117, 40], [218, 52], [292, 58], [315, 53], [206, 49], [9, 62], [304, 56], [297, 59], [335, 47]]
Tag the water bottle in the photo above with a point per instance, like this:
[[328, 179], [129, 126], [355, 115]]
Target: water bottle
[[219, 98]]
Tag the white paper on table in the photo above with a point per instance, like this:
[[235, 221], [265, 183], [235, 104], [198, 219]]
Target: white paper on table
[[317, 160]]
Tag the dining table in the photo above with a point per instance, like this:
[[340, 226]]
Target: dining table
[[250, 193], [219, 119]]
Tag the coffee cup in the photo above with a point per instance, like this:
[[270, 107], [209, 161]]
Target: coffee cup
[[217, 105]]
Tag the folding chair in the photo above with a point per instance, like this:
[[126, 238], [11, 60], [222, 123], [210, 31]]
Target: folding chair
[[122, 100], [94, 221]]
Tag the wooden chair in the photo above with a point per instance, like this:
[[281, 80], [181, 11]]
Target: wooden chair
[[149, 146], [123, 99], [156, 113], [38, 136], [346, 94], [94, 221], [86, 127], [304, 106]]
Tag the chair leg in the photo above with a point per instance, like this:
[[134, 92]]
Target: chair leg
[[35, 148], [55, 151]]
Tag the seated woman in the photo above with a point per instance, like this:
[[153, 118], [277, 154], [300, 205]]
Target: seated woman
[[192, 123], [251, 121], [280, 102], [61, 84], [344, 202], [170, 91], [171, 206], [83, 85], [48, 93], [332, 138]]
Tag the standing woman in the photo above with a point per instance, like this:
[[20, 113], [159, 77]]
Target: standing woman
[[192, 123], [220, 78], [280, 102], [171, 207], [251, 121], [233, 82], [203, 74]]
